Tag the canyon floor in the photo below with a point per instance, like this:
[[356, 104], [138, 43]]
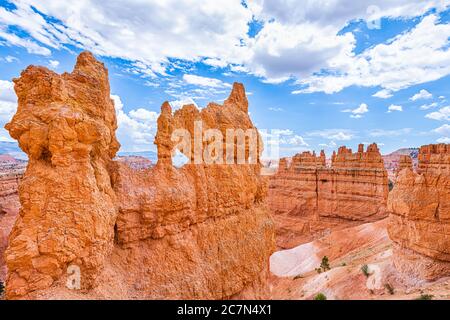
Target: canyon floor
[[294, 275]]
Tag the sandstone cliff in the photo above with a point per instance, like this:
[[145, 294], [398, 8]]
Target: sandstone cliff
[[309, 197], [419, 207], [11, 172], [201, 231]]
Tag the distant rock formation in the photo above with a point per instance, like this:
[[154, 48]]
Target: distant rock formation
[[11, 172], [199, 232], [353, 188], [135, 162], [392, 161], [419, 207]]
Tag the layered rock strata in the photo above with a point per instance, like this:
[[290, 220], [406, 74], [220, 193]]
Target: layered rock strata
[[201, 231], [419, 207], [308, 196]]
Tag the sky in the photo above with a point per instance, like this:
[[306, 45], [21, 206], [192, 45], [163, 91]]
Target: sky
[[320, 73]]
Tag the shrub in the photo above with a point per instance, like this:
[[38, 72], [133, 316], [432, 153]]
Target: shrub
[[320, 296], [425, 297], [325, 264], [365, 270], [2, 288], [299, 276], [389, 288]]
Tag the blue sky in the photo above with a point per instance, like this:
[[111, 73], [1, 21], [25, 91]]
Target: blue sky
[[325, 73]]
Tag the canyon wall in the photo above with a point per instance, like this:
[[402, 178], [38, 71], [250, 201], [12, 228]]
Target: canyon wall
[[307, 196], [419, 207], [202, 231], [11, 172]]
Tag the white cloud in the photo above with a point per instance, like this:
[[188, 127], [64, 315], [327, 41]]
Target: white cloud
[[422, 94], [282, 132], [14, 40], [148, 32], [294, 42], [151, 84], [428, 106], [295, 140], [217, 63], [443, 140], [442, 115], [358, 112], [275, 109], [177, 104], [143, 115], [332, 145], [333, 134], [394, 107], [204, 81], [443, 130], [389, 133], [9, 59], [53, 64], [8, 106], [8, 101], [417, 56], [136, 129], [383, 94]]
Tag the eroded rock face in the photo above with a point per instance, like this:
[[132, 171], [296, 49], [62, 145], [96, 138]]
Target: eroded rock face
[[65, 123], [208, 220], [201, 231], [419, 207], [355, 187], [307, 196], [11, 172]]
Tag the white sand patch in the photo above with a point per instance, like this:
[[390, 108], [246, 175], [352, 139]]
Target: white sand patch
[[295, 261]]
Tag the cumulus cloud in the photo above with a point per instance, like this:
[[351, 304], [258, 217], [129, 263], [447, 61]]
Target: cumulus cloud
[[283, 137], [383, 94], [136, 129], [9, 59], [204, 81], [333, 134], [146, 32], [53, 64], [443, 140], [331, 145], [422, 94], [394, 107], [442, 115], [358, 112], [389, 133], [428, 106], [443, 130], [177, 104], [8, 106], [417, 56], [295, 140], [295, 41]]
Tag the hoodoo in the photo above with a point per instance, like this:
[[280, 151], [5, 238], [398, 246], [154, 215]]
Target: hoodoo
[[307, 196], [201, 231], [419, 222]]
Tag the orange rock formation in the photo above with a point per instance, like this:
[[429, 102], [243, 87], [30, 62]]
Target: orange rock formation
[[201, 231], [419, 207], [304, 192]]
